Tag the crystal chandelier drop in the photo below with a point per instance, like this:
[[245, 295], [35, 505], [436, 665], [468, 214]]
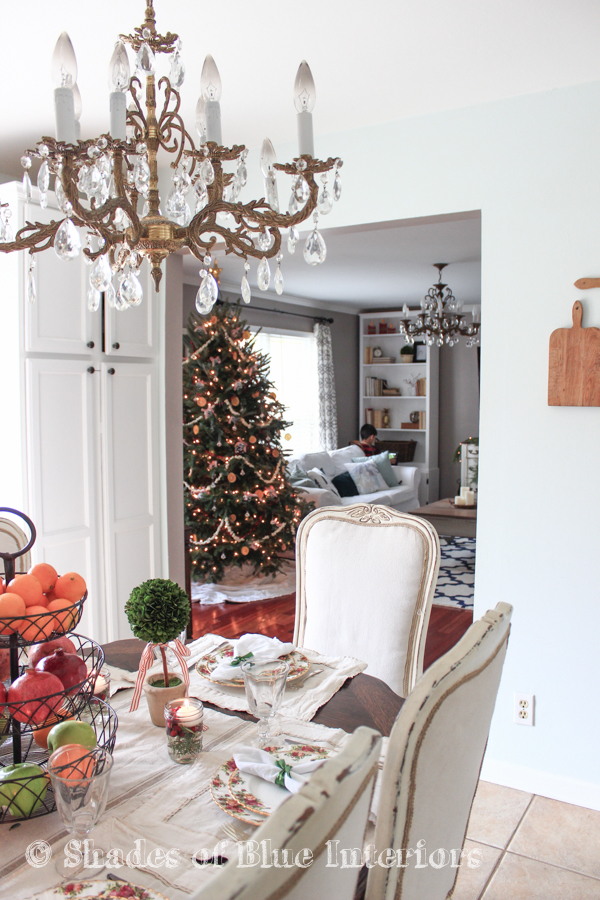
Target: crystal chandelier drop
[[441, 318], [109, 186]]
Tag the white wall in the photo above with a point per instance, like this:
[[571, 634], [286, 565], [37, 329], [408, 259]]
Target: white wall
[[532, 165]]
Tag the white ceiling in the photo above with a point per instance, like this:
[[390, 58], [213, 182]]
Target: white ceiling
[[372, 62], [376, 267]]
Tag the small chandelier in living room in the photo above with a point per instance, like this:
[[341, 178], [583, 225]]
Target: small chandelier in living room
[[109, 185], [441, 319]]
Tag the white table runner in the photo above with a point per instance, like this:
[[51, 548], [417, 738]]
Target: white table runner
[[298, 703], [152, 800]]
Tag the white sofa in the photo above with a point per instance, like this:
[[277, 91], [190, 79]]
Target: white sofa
[[333, 462]]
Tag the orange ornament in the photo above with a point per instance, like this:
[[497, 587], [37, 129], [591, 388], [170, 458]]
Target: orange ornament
[[213, 320], [195, 429], [252, 439], [256, 394], [245, 551], [235, 401], [247, 335], [275, 452], [232, 517], [70, 587], [201, 401], [259, 494], [231, 478], [272, 395]]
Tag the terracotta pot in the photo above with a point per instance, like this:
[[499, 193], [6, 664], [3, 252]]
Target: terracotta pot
[[157, 697], [406, 358]]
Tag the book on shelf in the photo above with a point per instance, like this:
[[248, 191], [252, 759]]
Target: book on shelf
[[383, 359], [390, 392], [407, 425], [368, 356], [422, 420], [421, 387], [378, 418]]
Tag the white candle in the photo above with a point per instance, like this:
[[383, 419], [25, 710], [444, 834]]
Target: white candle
[[64, 111], [101, 685], [210, 83], [64, 75], [464, 490], [118, 115], [470, 498], [189, 714], [459, 501], [118, 80], [304, 101]]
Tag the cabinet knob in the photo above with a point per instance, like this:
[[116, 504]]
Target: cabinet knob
[[116, 345], [91, 370], [111, 371], [91, 345]]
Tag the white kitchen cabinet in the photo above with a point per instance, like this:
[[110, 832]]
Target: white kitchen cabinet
[[81, 443]]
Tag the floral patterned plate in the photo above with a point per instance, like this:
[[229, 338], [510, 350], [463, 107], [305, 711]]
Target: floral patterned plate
[[260, 796], [299, 665], [99, 890], [220, 794]]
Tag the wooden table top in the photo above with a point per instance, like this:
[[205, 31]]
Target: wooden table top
[[362, 700], [445, 508]]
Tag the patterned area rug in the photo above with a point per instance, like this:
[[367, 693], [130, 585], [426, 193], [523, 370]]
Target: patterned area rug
[[457, 573]]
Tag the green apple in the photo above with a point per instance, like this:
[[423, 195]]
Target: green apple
[[20, 790], [71, 732]]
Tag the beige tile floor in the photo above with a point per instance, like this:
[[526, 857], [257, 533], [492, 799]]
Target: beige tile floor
[[531, 848]]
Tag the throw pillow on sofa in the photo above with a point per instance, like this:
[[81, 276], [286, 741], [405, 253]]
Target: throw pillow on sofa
[[323, 481], [297, 477], [382, 461], [366, 477], [345, 485]]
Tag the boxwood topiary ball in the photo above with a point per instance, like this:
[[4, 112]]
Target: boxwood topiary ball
[[158, 610]]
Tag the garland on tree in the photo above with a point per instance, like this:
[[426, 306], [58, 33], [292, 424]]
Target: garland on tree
[[237, 498]]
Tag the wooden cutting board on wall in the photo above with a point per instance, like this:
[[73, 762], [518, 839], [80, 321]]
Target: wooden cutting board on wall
[[574, 370]]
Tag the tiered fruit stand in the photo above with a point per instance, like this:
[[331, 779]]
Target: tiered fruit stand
[[20, 719]]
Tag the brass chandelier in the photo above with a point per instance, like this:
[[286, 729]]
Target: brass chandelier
[[109, 185], [441, 319]]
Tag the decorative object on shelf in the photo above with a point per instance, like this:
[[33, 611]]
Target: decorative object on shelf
[[420, 351], [467, 453], [385, 418], [118, 174], [377, 352], [407, 353], [383, 329], [574, 363], [371, 329], [231, 427], [184, 725], [158, 611], [440, 318], [411, 383], [414, 416]]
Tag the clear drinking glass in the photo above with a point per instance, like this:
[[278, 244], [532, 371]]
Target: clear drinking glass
[[80, 779], [265, 685]]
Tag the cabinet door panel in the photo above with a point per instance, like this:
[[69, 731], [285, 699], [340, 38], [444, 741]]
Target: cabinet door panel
[[134, 329], [131, 485], [59, 320], [62, 413]]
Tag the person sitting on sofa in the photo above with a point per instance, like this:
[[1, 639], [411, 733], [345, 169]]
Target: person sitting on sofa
[[368, 440]]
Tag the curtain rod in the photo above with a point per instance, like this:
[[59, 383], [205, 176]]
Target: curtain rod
[[283, 312]]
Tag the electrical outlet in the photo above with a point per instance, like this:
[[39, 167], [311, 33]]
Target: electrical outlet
[[524, 709]]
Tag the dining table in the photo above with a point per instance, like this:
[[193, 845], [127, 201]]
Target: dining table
[[156, 807], [362, 700]]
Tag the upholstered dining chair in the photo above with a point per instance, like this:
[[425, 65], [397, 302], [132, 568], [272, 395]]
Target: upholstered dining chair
[[432, 765], [12, 538], [365, 579], [329, 812]]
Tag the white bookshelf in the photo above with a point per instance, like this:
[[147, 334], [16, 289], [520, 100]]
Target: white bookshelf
[[400, 407]]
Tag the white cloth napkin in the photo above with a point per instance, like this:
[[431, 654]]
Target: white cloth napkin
[[257, 762], [261, 648]]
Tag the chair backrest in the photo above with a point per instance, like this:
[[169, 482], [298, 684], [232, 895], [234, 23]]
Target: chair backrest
[[308, 832], [12, 538], [433, 762], [365, 579]]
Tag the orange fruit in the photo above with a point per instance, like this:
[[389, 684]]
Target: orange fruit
[[27, 587], [51, 595], [70, 587], [11, 606], [1, 586], [39, 626], [73, 758], [40, 735], [65, 614], [46, 575]]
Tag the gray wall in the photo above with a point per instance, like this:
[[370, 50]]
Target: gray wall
[[344, 337], [459, 409]]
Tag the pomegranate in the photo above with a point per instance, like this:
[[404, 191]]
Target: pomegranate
[[27, 695], [68, 667], [2, 697], [38, 651]]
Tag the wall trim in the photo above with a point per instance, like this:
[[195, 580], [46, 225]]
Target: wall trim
[[546, 784]]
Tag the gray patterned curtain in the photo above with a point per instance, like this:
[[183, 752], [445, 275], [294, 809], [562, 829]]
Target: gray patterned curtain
[[327, 400]]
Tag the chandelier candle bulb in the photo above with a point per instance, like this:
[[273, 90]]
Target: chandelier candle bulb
[[304, 101], [210, 83], [64, 76]]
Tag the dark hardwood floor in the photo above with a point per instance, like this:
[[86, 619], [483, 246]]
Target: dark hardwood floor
[[276, 619]]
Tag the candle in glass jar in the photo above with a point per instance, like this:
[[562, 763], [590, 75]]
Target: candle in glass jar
[[189, 714]]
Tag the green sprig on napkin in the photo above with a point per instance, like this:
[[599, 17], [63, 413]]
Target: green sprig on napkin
[[238, 660], [285, 770]]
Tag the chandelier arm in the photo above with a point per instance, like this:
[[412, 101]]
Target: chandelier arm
[[39, 232], [138, 112], [170, 120]]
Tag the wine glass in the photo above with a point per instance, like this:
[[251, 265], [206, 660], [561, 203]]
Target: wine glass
[[265, 685], [80, 779]]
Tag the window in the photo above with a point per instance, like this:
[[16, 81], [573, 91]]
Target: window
[[294, 373]]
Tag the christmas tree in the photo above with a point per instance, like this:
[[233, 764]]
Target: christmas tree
[[237, 498]]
